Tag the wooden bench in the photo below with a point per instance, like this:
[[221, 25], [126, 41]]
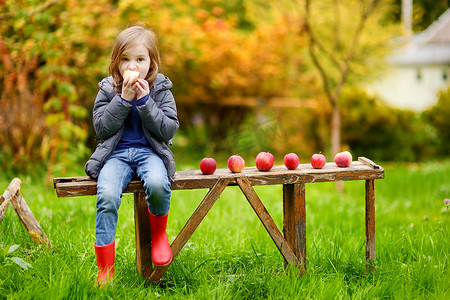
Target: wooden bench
[[291, 244]]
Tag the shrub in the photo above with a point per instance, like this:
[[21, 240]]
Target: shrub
[[439, 117], [381, 132], [51, 60]]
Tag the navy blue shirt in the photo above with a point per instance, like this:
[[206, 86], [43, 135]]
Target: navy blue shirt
[[133, 135]]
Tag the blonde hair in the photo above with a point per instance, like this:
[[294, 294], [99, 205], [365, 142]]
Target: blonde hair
[[131, 37]]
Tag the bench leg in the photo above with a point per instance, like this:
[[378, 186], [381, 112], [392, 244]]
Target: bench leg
[[192, 224], [370, 222], [143, 237], [294, 221], [281, 243]]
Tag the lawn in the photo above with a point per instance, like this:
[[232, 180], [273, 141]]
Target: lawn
[[230, 256]]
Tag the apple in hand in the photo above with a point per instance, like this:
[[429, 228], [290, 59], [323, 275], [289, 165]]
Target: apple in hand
[[343, 159], [208, 165], [133, 75], [264, 161], [291, 161], [318, 160], [236, 163]]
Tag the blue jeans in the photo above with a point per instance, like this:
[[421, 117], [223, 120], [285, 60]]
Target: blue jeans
[[120, 168]]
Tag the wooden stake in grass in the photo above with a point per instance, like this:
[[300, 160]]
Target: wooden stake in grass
[[12, 195], [12, 189]]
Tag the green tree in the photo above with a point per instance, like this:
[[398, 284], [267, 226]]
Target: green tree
[[425, 12], [439, 117], [346, 42]]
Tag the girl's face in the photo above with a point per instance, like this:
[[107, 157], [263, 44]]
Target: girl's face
[[135, 58]]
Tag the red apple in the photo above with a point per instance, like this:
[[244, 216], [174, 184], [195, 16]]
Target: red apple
[[318, 160], [208, 165], [133, 75], [343, 159], [291, 161], [236, 163], [264, 161]]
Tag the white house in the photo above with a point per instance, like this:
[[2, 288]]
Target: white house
[[418, 70]]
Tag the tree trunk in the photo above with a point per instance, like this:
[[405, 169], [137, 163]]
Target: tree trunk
[[335, 129], [336, 138]]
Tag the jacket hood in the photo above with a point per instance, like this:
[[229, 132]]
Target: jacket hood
[[162, 82]]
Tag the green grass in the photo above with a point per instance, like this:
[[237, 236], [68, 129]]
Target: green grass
[[230, 256]]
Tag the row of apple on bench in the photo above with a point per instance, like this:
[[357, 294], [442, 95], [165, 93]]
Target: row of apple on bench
[[264, 162]]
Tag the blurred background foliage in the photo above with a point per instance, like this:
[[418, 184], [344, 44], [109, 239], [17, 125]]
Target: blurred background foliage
[[242, 80]]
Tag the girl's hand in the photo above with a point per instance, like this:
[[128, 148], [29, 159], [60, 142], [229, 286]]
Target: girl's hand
[[142, 88], [128, 90]]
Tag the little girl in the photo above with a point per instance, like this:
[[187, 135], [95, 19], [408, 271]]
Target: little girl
[[135, 122]]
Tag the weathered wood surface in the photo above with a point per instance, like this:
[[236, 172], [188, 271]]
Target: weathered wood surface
[[3, 206], [142, 235], [12, 195], [294, 221], [368, 162], [191, 225], [370, 220], [9, 193], [363, 169], [29, 221], [260, 210]]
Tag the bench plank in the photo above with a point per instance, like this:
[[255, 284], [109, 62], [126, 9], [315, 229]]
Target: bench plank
[[194, 179]]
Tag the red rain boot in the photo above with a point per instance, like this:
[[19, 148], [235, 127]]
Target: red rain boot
[[161, 252], [105, 263]]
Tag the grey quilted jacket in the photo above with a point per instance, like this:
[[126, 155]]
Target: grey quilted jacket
[[159, 120]]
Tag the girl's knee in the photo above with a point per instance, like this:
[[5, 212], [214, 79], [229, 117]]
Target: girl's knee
[[158, 197], [108, 200], [157, 186], [158, 207]]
